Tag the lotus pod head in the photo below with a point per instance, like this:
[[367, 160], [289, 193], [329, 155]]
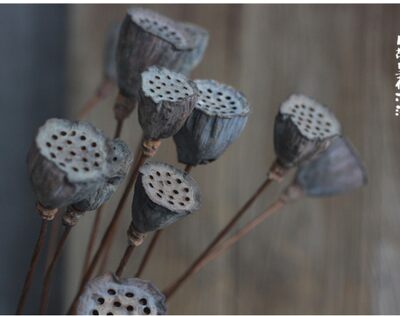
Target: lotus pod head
[[109, 295], [336, 170], [218, 119], [73, 164], [167, 99], [149, 39], [163, 195], [302, 128]]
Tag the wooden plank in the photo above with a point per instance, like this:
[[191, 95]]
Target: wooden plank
[[337, 255]]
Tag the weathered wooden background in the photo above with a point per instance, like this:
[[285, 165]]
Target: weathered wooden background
[[338, 255]]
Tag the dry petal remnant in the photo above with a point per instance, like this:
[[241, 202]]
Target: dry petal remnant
[[163, 85], [219, 99], [162, 27], [77, 149], [108, 295], [312, 119], [168, 188]]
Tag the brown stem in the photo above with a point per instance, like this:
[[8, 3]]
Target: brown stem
[[92, 238], [101, 93], [53, 236], [124, 260], [110, 230], [96, 223], [47, 279], [228, 243], [118, 128], [105, 256], [32, 266], [188, 168], [148, 253], [192, 268]]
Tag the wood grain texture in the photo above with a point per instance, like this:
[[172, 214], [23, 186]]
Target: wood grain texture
[[336, 255]]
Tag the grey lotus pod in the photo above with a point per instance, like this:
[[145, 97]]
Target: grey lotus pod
[[336, 170], [146, 39], [302, 129], [166, 100], [193, 58], [74, 164], [110, 295], [110, 53], [218, 119], [163, 195]]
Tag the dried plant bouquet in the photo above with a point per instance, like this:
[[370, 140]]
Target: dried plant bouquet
[[74, 166]]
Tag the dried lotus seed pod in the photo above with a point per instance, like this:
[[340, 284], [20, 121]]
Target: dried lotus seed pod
[[74, 164], [166, 100], [218, 119], [110, 295], [336, 170], [110, 53], [146, 39], [200, 38], [163, 194], [302, 128]]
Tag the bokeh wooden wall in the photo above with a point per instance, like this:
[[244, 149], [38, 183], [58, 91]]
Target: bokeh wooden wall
[[337, 255]]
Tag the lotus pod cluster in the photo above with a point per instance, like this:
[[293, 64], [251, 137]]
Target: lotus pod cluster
[[163, 195], [151, 39], [303, 127], [73, 164], [110, 295], [167, 99], [218, 119]]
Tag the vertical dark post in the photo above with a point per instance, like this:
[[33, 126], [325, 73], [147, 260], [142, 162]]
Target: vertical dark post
[[32, 87]]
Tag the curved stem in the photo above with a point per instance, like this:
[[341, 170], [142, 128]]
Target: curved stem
[[231, 241], [47, 279], [148, 253], [96, 223], [32, 267], [125, 259], [192, 268], [105, 256], [92, 238], [188, 168], [53, 235], [110, 230]]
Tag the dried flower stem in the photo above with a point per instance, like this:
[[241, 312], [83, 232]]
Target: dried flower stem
[[231, 241], [110, 229], [51, 248], [104, 259], [96, 223], [32, 266], [194, 266], [47, 279], [124, 260], [101, 93], [154, 241], [188, 168], [92, 238], [148, 253]]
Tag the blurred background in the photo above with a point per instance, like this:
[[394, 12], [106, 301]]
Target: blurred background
[[318, 256]]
